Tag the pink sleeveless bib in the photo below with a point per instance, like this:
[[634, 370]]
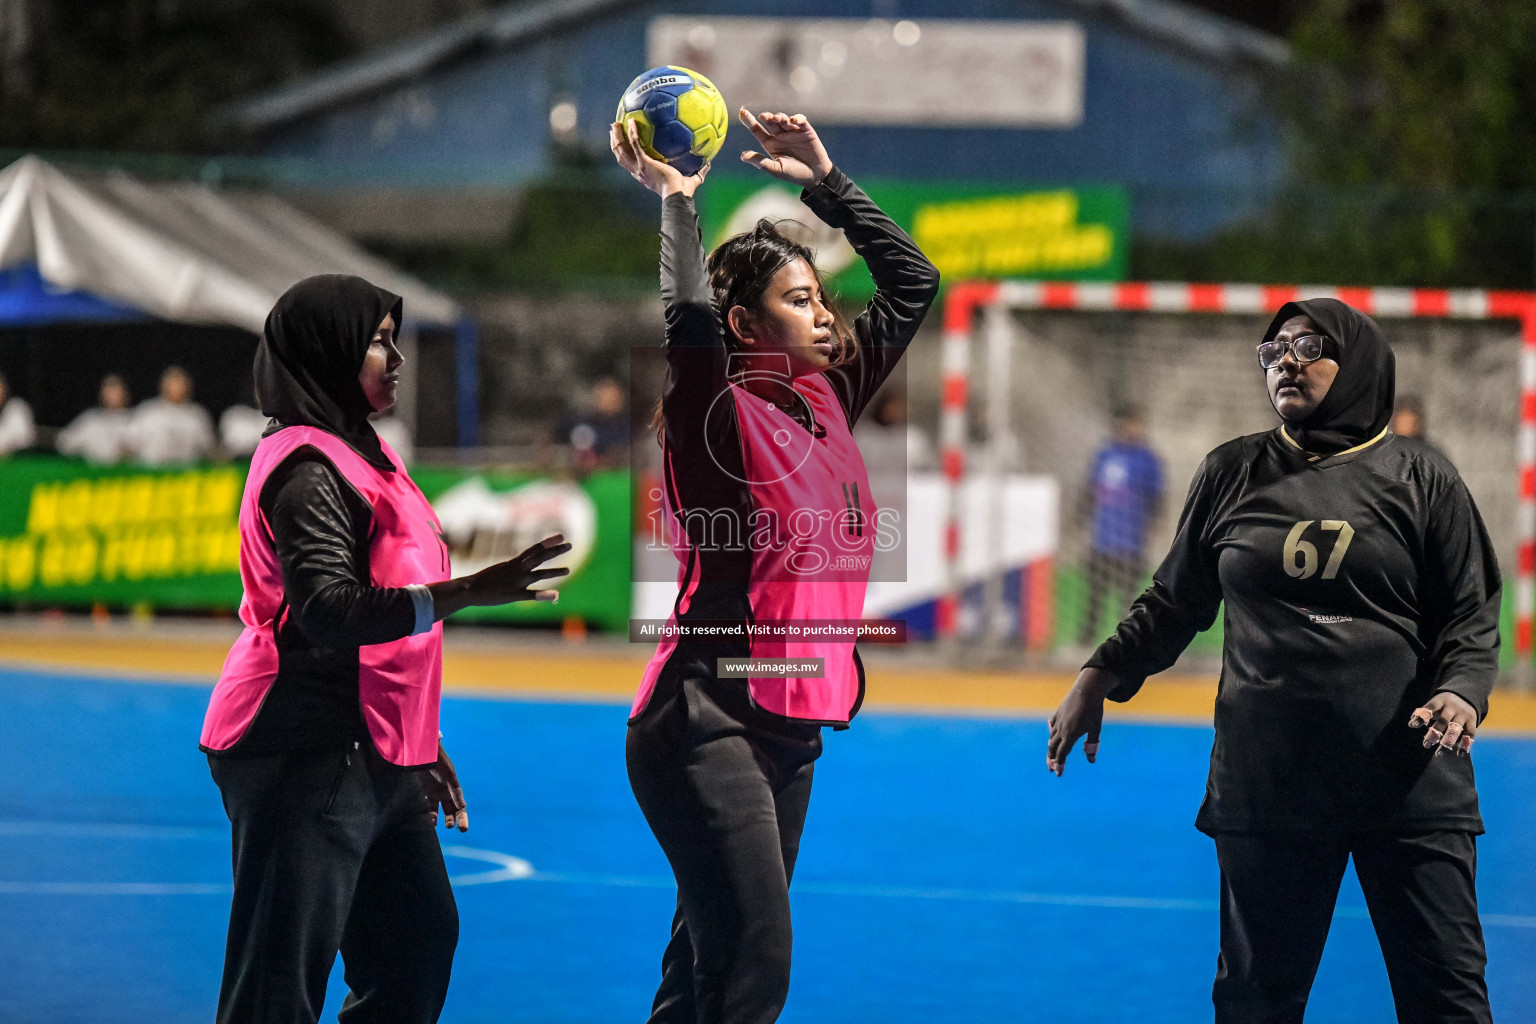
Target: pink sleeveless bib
[[400, 682], [812, 542]]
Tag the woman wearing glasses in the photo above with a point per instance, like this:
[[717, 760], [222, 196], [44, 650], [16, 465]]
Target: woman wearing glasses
[[1361, 643]]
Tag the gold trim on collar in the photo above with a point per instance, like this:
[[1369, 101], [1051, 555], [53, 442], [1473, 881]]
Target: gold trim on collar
[[1314, 457]]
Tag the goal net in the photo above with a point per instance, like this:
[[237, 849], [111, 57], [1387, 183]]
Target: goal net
[[1107, 397]]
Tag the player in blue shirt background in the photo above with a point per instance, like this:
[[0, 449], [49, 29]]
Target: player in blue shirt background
[[1125, 495]]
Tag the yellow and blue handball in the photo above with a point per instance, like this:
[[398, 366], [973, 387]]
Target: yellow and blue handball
[[680, 116]]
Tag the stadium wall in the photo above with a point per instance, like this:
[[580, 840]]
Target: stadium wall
[[1160, 120]]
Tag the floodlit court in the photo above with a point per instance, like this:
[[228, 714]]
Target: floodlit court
[[944, 876]]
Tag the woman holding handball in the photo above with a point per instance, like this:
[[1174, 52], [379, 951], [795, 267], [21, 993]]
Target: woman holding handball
[[762, 480], [1362, 604]]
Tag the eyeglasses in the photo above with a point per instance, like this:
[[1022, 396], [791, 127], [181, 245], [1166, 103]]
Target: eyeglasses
[[1306, 349]]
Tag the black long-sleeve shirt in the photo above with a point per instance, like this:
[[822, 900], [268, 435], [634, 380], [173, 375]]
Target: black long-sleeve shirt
[[706, 471], [1356, 587], [320, 530]]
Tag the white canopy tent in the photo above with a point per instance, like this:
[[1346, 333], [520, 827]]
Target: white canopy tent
[[183, 252], [180, 251]]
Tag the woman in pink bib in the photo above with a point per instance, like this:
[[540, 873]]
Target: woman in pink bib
[[769, 512], [322, 730]]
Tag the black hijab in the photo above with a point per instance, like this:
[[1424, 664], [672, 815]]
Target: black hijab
[[311, 352], [1358, 405]]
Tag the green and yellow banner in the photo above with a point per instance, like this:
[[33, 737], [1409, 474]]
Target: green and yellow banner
[[74, 535], [969, 231]]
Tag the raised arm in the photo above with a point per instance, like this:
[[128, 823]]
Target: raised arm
[[906, 283], [698, 446], [686, 296], [696, 353], [685, 291]]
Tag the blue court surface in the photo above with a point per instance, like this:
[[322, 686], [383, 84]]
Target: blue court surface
[[945, 876]]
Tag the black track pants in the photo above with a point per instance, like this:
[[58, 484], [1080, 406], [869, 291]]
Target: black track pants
[[1277, 896], [725, 787], [333, 850]]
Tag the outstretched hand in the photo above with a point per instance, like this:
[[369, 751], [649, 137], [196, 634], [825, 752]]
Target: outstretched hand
[[657, 175], [792, 151], [516, 579], [1449, 723]]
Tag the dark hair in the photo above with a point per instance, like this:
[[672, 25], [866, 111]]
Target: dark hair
[[740, 270], [742, 267], [1128, 411]]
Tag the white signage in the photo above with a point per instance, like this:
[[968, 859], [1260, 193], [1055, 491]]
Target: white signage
[[483, 527], [990, 543], [856, 71]]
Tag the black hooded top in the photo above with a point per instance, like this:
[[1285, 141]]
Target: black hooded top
[[311, 352], [1356, 585], [307, 367], [1359, 404]]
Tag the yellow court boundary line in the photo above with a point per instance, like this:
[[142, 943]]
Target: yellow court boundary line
[[592, 676]]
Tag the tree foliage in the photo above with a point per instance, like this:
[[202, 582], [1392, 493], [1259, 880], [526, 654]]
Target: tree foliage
[[1412, 153], [146, 75], [1430, 94], [577, 233]]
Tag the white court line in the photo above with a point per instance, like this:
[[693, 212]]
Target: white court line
[[109, 830], [1008, 896], [115, 888], [508, 867], [511, 869], [1508, 920], [987, 896], [908, 893]]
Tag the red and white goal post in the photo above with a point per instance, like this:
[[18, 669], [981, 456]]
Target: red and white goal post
[[1473, 351]]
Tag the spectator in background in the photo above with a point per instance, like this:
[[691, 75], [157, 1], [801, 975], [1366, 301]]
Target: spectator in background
[[100, 435], [1408, 421], [1125, 494], [240, 430], [393, 432], [599, 436], [17, 429], [1408, 417], [887, 423], [892, 448], [172, 428]]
